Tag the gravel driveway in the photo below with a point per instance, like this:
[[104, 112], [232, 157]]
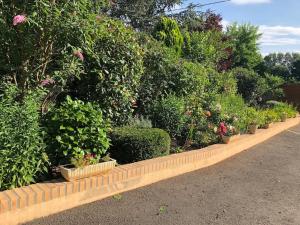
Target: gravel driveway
[[260, 186]]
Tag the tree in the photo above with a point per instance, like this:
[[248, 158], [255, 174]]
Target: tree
[[195, 21], [167, 31], [296, 70], [283, 65], [245, 51], [141, 14]]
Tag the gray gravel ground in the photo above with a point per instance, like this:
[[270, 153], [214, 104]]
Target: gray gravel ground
[[260, 186]]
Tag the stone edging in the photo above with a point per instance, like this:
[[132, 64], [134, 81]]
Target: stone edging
[[27, 203]]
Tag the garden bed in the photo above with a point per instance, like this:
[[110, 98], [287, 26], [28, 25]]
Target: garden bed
[[34, 201]]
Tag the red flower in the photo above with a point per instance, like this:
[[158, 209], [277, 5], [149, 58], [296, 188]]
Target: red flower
[[222, 128]]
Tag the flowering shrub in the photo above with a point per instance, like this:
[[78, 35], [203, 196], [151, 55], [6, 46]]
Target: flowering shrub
[[38, 38]]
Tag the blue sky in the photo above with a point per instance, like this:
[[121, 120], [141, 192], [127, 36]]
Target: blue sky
[[279, 20]]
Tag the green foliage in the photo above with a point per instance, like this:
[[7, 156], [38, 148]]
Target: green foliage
[[140, 122], [134, 144], [22, 151], [282, 65], [169, 114], [141, 13], [244, 40], [268, 116], [167, 31], [233, 111], [208, 48], [74, 130], [221, 83], [113, 67], [252, 116], [165, 74], [285, 109], [157, 78], [43, 45], [257, 89]]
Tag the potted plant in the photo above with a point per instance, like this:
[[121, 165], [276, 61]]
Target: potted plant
[[269, 116], [85, 166], [77, 139], [227, 133], [253, 120], [283, 117]]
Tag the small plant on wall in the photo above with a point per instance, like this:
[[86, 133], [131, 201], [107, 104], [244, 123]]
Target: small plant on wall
[[76, 132]]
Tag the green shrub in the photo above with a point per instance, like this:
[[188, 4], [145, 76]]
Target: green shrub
[[134, 144], [169, 114], [282, 108], [268, 116], [22, 151], [208, 48], [156, 82], [233, 111], [112, 70], [140, 122], [74, 130]]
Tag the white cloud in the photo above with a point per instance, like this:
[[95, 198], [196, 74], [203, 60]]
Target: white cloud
[[225, 24], [279, 35], [245, 2]]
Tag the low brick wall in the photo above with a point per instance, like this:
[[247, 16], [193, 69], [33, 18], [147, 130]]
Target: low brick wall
[[27, 203]]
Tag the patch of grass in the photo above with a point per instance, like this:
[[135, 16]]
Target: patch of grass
[[118, 197]]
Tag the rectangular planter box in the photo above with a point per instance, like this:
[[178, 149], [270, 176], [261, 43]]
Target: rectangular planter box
[[77, 173]]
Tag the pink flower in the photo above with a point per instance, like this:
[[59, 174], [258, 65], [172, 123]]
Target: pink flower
[[47, 82], [79, 55], [222, 128], [19, 19]]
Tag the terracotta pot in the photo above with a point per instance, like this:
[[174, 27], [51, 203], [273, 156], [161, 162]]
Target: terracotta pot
[[252, 128], [70, 173], [267, 126], [228, 139], [283, 117]]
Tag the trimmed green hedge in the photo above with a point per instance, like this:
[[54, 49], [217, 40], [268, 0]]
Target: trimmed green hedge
[[135, 144]]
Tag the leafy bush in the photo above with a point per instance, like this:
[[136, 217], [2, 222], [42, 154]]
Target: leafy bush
[[283, 108], [134, 144], [74, 130], [208, 48], [165, 74], [113, 68], [233, 111], [169, 114], [221, 83], [252, 116], [22, 151], [268, 116], [156, 82], [140, 122], [249, 84]]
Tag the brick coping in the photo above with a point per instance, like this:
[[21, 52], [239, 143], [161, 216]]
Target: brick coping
[[34, 201]]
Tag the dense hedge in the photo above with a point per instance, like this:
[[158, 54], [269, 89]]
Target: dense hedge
[[136, 144]]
